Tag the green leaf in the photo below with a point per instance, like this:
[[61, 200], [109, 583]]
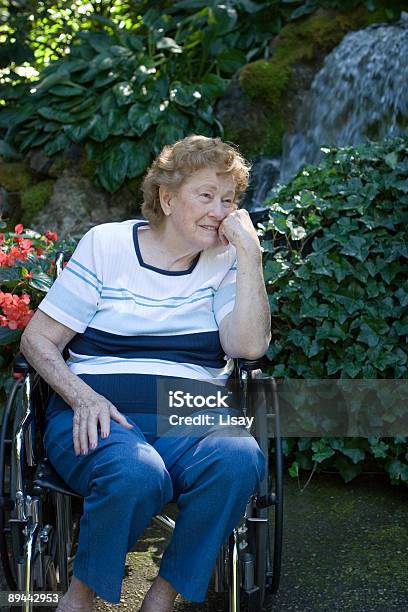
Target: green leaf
[[185, 95], [123, 93], [391, 160], [40, 281], [231, 60], [294, 469], [138, 158], [355, 454], [222, 19], [167, 134], [54, 115], [169, 44], [213, 86], [68, 90], [113, 169], [9, 152], [9, 336], [117, 122], [57, 143], [367, 335], [379, 450], [321, 451], [79, 132], [397, 470], [9, 274], [140, 119], [100, 130], [347, 469], [59, 76]]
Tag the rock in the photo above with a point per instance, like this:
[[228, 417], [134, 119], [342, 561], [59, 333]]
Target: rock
[[77, 204]]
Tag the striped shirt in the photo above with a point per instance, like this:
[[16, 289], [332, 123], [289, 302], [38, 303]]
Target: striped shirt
[[135, 322]]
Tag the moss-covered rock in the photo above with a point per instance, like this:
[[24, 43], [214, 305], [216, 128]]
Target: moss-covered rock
[[15, 176], [34, 199], [273, 85], [87, 167]]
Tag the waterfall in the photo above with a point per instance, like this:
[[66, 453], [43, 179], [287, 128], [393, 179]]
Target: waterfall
[[361, 93], [264, 174]]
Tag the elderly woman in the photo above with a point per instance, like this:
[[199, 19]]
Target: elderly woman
[[174, 296]]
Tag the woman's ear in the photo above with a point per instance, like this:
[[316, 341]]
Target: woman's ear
[[165, 200]]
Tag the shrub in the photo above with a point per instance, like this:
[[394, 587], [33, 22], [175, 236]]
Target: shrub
[[27, 264], [335, 267]]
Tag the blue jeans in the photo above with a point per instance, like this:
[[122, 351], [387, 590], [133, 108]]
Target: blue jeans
[[127, 479]]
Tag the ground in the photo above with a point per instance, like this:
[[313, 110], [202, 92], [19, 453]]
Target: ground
[[345, 549]]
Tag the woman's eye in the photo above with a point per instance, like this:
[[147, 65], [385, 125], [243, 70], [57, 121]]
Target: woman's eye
[[227, 202], [206, 195]]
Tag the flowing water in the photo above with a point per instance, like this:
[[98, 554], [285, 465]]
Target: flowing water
[[361, 93]]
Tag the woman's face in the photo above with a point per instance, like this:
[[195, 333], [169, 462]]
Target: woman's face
[[199, 207]]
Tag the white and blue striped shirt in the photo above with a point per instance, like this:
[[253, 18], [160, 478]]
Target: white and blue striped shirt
[[135, 319]]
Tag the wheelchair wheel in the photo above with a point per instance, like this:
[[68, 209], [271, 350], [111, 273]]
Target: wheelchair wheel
[[8, 530], [43, 545]]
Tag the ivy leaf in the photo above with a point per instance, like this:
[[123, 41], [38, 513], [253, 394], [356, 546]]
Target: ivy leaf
[[347, 469], [294, 469], [355, 454], [397, 469], [321, 451], [391, 160]]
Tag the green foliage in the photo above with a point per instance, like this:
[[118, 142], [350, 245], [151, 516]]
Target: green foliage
[[35, 198], [335, 267], [127, 93]]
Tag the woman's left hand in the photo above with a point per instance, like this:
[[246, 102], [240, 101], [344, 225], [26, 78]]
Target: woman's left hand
[[238, 230]]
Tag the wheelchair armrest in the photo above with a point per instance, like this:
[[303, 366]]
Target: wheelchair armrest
[[21, 365], [250, 364]]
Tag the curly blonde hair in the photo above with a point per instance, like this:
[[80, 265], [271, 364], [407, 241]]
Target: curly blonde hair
[[176, 162]]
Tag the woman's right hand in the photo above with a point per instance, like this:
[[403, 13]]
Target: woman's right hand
[[91, 412]]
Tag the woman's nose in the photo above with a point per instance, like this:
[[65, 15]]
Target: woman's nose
[[217, 209]]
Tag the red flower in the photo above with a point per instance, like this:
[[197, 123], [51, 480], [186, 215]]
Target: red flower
[[1, 238], [39, 251], [19, 228], [51, 235], [16, 313]]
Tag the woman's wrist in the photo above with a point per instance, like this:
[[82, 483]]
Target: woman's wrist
[[249, 253]]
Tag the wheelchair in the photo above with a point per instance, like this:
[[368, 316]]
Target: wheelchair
[[40, 514]]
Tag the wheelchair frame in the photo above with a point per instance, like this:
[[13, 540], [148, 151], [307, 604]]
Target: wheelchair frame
[[37, 549]]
